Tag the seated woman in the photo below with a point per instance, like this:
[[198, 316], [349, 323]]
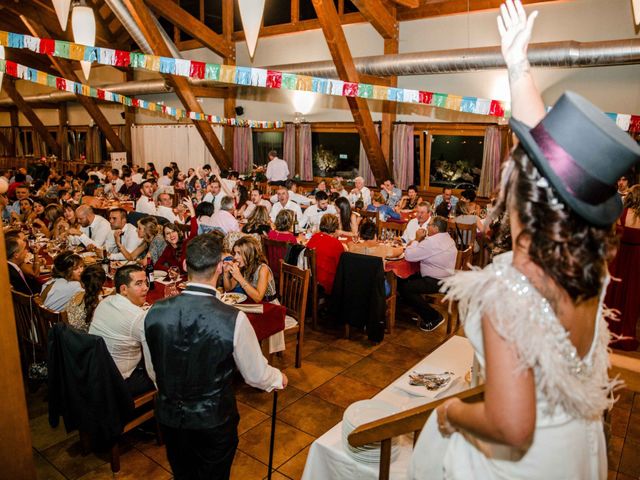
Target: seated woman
[[369, 243], [378, 204], [470, 196], [336, 187], [65, 281], [175, 250], [284, 226], [153, 241], [82, 305], [347, 220], [201, 218], [249, 272], [241, 197], [258, 222], [321, 187], [26, 209], [52, 213], [68, 220], [37, 219], [409, 201], [328, 251]]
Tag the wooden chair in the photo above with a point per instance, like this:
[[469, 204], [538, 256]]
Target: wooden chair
[[32, 336], [274, 251], [373, 217], [390, 312], [394, 228], [465, 235], [294, 290], [310, 255], [408, 421]]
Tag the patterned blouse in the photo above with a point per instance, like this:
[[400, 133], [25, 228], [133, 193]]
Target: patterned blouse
[[156, 247]]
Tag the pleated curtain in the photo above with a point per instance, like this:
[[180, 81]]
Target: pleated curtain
[[490, 173], [403, 153], [305, 153], [289, 147], [364, 169], [243, 149]]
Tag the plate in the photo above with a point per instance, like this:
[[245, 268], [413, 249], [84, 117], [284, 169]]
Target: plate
[[392, 259], [232, 298], [87, 254], [159, 274]]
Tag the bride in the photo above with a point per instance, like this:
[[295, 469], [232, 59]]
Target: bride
[[535, 316]]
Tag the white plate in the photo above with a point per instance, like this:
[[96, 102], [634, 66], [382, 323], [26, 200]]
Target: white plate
[[420, 391], [88, 254], [232, 298], [159, 274], [391, 259]]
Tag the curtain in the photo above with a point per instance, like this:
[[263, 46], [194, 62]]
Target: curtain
[[242, 149], [364, 169], [305, 153], [163, 144], [403, 155], [490, 174], [289, 147]]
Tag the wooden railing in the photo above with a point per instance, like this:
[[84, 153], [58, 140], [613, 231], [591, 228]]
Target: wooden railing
[[409, 421]]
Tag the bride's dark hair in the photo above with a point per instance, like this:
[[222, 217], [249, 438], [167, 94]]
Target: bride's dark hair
[[571, 251]]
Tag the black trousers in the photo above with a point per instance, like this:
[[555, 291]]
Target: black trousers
[[278, 182], [411, 291], [202, 454], [139, 382]]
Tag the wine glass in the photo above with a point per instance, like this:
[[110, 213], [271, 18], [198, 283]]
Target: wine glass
[[174, 274]]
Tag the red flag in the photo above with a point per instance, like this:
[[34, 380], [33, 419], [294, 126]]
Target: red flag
[[61, 83], [122, 58], [47, 46], [496, 109], [274, 79], [426, 97], [634, 125], [350, 89], [197, 69]]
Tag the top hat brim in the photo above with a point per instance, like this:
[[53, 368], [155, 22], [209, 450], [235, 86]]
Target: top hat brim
[[600, 215]]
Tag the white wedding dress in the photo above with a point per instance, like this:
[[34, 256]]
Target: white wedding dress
[[571, 393]]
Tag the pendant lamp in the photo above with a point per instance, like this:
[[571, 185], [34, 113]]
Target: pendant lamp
[[251, 12], [62, 11], [636, 11], [83, 24]]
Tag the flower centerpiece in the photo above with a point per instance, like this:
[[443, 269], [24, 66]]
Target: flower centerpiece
[[325, 160]]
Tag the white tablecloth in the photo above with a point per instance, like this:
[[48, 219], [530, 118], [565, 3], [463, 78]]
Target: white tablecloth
[[328, 458]]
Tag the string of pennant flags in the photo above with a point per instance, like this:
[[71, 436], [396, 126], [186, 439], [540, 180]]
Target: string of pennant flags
[[259, 77]]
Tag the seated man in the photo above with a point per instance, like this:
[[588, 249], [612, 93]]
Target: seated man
[[313, 214], [129, 187], [423, 216], [16, 248], [145, 203], [392, 194], [294, 196], [195, 343], [127, 233], [447, 197], [437, 256], [214, 193], [113, 183], [94, 231], [119, 319], [360, 192], [284, 203], [224, 218], [165, 208], [256, 199]]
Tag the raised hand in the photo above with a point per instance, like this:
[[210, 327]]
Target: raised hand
[[515, 31]]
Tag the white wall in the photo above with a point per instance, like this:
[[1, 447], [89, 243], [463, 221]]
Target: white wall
[[613, 89]]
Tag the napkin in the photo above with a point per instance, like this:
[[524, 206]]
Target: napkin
[[420, 391], [250, 307]]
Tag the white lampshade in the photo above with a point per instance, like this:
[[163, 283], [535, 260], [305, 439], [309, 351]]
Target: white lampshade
[[83, 24], [636, 11], [2, 58], [62, 11], [251, 12]]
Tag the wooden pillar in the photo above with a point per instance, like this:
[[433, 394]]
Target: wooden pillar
[[62, 130], [389, 110], [230, 99], [129, 120], [15, 128], [16, 455]]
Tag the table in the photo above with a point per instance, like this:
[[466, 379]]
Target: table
[[328, 458], [402, 268]]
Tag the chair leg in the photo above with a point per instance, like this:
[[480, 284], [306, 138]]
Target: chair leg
[[115, 457], [85, 443], [314, 308], [347, 331], [159, 436], [299, 350]]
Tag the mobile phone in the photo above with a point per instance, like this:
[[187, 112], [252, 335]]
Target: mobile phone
[[228, 259]]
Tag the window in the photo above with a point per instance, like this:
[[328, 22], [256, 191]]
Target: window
[[335, 154], [349, 7], [77, 141], [192, 7], [307, 12], [264, 142], [276, 12], [27, 143], [213, 15], [456, 161]]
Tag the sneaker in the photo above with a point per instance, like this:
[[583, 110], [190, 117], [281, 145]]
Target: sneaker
[[432, 325]]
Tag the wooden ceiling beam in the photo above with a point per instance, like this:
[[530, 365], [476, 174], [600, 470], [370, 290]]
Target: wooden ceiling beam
[[378, 15], [9, 86], [436, 8], [65, 69], [408, 3], [211, 92], [230, 100], [181, 86], [339, 48], [191, 25]]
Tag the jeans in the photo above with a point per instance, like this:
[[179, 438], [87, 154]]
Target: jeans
[[412, 289], [202, 454]]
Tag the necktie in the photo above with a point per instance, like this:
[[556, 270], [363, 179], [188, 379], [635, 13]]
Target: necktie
[[90, 233]]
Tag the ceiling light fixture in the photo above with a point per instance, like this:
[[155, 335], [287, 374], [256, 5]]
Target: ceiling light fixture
[[83, 24], [251, 12], [62, 11]]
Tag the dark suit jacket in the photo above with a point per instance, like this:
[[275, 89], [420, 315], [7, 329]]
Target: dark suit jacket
[[30, 287]]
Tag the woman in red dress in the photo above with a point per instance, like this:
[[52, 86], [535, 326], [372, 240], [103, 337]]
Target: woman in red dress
[[623, 295], [328, 250]]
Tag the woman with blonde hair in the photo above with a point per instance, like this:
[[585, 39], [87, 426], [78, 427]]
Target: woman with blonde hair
[[258, 222], [153, 243]]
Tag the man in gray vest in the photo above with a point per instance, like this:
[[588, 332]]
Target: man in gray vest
[[194, 341]]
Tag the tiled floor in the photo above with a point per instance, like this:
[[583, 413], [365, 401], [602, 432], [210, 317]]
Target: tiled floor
[[335, 373]]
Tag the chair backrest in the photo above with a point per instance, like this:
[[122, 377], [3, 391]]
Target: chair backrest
[[465, 235], [274, 251], [294, 290], [371, 216], [395, 229], [463, 258]]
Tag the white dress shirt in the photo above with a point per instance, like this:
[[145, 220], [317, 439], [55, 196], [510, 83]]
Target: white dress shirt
[[215, 200], [293, 206], [277, 170], [364, 195], [225, 220], [98, 233], [164, 181], [113, 186], [313, 215], [130, 241], [167, 212], [436, 254], [252, 206], [60, 293], [412, 227], [294, 197], [146, 205], [121, 324], [137, 178], [247, 354]]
